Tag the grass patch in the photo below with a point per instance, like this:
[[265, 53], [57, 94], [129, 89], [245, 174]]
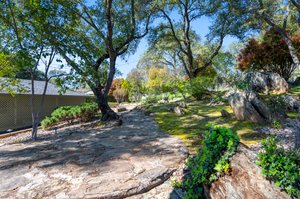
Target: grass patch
[[292, 115], [295, 90], [197, 115], [113, 104]]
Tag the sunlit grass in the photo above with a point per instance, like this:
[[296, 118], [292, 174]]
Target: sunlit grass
[[295, 90], [292, 115], [190, 127]]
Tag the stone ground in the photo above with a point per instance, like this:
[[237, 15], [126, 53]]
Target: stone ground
[[93, 162]]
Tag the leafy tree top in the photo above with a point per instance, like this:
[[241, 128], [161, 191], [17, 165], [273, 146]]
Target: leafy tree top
[[271, 54]]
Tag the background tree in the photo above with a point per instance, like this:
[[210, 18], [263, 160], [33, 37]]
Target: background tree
[[277, 14], [119, 90], [271, 54], [163, 52], [136, 85], [190, 10], [24, 39], [158, 79], [93, 35]]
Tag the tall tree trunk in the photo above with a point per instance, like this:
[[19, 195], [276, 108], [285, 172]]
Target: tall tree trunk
[[292, 50], [35, 124], [33, 110], [285, 36], [107, 113]]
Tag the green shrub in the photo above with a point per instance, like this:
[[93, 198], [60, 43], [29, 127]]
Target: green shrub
[[276, 124], [211, 161], [151, 99], [48, 122], [242, 85], [198, 87], [84, 112], [281, 166]]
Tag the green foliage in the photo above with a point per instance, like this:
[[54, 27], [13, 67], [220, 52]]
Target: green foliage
[[120, 95], [211, 161], [135, 85], [158, 79], [175, 183], [151, 99], [272, 54], [199, 86], [84, 112], [241, 85], [295, 90], [276, 124], [281, 166], [276, 103]]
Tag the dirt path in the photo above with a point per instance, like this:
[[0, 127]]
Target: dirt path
[[91, 162]]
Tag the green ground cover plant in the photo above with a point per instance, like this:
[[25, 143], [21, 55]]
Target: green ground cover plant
[[211, 161], [281, 166]]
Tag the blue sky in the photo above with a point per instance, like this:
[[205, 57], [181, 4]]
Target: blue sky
[[200, 26]]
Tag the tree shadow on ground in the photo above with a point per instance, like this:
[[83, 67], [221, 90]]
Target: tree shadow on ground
[[138, 146]]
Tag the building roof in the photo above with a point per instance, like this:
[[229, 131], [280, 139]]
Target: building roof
[[39, 88]]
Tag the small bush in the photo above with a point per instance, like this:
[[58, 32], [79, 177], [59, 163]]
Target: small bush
[[276, 124], [198, 87], [242, 85], [120, 95], [84, 112], [151, 99], [211, 161], [281, 166]]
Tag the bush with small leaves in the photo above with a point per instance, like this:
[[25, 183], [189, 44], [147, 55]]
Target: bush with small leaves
[[281, 166], [84, 113], [219, 145], [199, 86]]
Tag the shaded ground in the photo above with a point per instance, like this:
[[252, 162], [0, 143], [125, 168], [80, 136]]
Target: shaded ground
[[91, 162]]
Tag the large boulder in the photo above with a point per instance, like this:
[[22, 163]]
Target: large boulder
[[266, 82], [178, 110], [247, 106], [292, 103], [244, 181]]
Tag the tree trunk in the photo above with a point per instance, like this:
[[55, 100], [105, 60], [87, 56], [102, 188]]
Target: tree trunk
[[292, 50], [35, 124], [107, 113]]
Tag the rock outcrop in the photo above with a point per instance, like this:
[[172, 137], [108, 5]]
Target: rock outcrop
[[178, 110], [182, 105], [245, 181], [266, 82], [291, 102], [247, 106], [91, 162]]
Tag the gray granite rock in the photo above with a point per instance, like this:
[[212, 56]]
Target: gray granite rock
[[91, 162]]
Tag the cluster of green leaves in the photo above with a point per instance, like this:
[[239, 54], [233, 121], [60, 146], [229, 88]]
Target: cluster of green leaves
[[276, 124], [199, 86], [84, 112], [211, 161], [281, 166], [152, 99], [242, 85], [276, 103]]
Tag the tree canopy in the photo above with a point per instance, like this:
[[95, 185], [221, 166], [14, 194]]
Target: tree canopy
[[270, 54]]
